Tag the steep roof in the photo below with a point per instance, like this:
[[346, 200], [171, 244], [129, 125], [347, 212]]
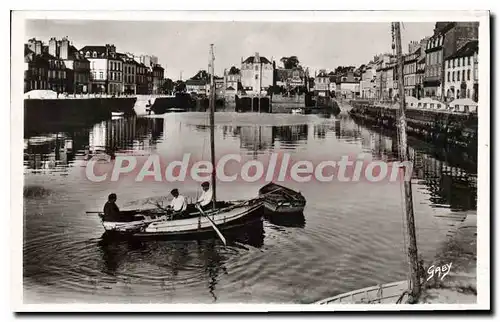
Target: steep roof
[[251, 59], [98, 49], [74, 54], [27, 50], [466, 50]]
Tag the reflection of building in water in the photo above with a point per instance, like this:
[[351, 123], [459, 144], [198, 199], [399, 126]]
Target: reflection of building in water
[[291, 133], [148, 132], [448, 184], [48, 152], [256, 138], [112, 135]]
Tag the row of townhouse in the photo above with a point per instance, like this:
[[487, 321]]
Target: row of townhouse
[[92, 69], [443, 66]]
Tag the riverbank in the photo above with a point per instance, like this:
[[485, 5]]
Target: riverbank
[[438, 126], [460, 285]]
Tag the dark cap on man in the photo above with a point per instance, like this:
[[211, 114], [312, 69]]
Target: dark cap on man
[[205, 184]]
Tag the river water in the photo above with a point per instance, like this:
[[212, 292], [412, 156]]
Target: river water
[[351, 235]]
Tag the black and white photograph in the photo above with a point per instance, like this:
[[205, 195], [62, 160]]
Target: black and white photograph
[[282, 161]]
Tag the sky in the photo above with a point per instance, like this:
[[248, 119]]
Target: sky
[[183, 47]]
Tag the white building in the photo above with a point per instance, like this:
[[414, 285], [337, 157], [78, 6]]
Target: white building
[[322, 83], [367, 87], [459, 72], [256, 74]]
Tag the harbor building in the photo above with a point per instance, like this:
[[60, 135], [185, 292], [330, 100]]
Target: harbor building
[[257, 74], [460, 72]]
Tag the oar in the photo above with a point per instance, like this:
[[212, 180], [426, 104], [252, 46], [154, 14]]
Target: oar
[[213, 225]]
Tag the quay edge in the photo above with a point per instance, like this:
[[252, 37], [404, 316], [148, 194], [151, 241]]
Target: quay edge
[[437, 126], [42, 115]]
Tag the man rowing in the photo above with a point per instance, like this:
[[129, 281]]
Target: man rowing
[[205, 200], [178, 203]]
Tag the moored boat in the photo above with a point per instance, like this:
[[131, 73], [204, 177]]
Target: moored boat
[[117, 113], [297, 111], [281, 199]]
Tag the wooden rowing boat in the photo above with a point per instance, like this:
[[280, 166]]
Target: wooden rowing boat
[[156, 222], [281, 199]]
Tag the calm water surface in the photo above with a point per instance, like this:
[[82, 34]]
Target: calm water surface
[[350, 235]]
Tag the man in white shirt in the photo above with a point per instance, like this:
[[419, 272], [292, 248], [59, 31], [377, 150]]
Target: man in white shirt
[[205, 199], [178, 203]]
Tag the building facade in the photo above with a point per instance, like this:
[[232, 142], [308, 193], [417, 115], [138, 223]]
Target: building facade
[[36, 67], [349, 85], [256, 74], [232, 79], [290, 78], [141, 78], [115, 72], [410, 73], [129, 73], [460, 78], [197, 86], [368, 81], [105, 68], [158, 73], [434, 67], [322, 83]]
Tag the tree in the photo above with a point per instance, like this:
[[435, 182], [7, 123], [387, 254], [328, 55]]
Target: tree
[[343, 69], [180, 86], [234, 70], [168, 85], [290, 62]]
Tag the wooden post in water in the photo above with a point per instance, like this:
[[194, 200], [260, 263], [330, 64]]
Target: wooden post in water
[[212, 122], [408, 198]]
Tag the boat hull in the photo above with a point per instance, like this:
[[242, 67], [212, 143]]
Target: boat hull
[[385, 293], [223, 219], [281, 199], [142, 219]]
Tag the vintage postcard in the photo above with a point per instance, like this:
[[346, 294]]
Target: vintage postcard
[[250, 161]]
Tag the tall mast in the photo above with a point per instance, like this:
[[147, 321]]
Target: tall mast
[[408, 208], [212, 122]]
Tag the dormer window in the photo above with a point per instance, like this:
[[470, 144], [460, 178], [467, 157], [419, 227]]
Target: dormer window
[[94, 54]]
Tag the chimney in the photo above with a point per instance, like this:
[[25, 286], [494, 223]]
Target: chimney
[[38, 47], [64, 49], [53, 47], [257, 58]]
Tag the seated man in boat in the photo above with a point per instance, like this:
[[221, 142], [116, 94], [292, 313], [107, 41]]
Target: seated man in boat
[[205, 200], [113, 213], [111, 210], [178, 204]]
